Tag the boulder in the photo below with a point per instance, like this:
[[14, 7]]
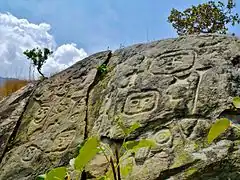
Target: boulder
[[175, 89]]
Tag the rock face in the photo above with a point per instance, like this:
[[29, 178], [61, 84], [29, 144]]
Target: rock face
[[11, 110], [174, 88]]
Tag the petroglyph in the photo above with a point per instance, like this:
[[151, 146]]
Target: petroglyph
[[174, 88], [29, 153], [201, 73], [143, 102], [62, 141], [163, 136], [41, 114], [169, 63], [64, 105]]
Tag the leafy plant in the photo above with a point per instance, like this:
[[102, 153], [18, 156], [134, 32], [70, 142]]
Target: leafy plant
[[218, 128], [59, 173], [236, 102], [209, 17], [38, 57], [120, 161], [86, 154], [123, 158], [221, 125], [102, 69]]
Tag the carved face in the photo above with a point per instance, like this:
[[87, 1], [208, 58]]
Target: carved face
[[29, 153], [173, 62], [63, 140], [41, 114], [138, 103]]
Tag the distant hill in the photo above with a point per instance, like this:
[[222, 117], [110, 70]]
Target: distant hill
[[2, 80]]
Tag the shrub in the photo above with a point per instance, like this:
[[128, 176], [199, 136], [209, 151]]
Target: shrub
[[209, 17], [38, 57], [120, 161]]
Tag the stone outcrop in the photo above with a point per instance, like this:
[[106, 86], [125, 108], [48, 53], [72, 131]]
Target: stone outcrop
[[174, 88], [11, 110]]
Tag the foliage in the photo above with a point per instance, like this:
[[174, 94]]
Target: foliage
[[209, 17], [11, 86], [121, 166], [59, 173], [222, 124], [38, 57], [236, 102], [218, 128], [124, 164], [102, 69], [86, 154]]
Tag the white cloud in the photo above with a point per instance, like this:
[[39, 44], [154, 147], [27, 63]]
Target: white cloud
[[17, 35], [63, 57]]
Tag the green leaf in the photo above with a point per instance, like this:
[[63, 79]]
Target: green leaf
[[57, 174], [236, 102], [87, 153], [102, 178], [136, 145], [126, 167], [129, 130], [218, 128], [133, 127]]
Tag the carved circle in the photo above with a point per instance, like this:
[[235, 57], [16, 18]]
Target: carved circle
[[163, 136]]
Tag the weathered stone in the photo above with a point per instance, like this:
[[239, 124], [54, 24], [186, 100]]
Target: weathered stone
[[174, 88], [53, 124], [11, 109]]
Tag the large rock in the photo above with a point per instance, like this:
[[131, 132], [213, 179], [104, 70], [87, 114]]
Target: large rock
[[174, 88], [11, 110]]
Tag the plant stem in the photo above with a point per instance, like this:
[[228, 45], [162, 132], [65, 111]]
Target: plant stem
[[78, 175], [118, 164], [104, 153], [113, 169]]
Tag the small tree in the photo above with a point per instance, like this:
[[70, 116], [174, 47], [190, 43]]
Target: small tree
[[210, 17], [38, 57]]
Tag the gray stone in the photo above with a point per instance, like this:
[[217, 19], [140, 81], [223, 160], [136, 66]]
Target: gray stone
[[11, 109], [53, 124], [175, 88]]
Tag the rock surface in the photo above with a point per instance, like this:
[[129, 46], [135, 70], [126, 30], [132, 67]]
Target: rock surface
[[11, 110], [175, 88]]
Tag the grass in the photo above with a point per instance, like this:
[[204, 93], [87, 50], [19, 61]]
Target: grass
[[11, 86]]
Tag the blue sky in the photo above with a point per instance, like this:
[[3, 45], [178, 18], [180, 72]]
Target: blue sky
[[74, 29], [94, 25]]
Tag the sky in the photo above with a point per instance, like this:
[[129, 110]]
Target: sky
[[75, 29]]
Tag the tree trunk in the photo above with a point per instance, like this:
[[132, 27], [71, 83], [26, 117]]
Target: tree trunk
[[41, 73]]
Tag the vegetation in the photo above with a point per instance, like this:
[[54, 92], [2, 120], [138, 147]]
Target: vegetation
[[119, 160], [11, 86], [221, 125], [38, 57], [210, 17], [102, 69]]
